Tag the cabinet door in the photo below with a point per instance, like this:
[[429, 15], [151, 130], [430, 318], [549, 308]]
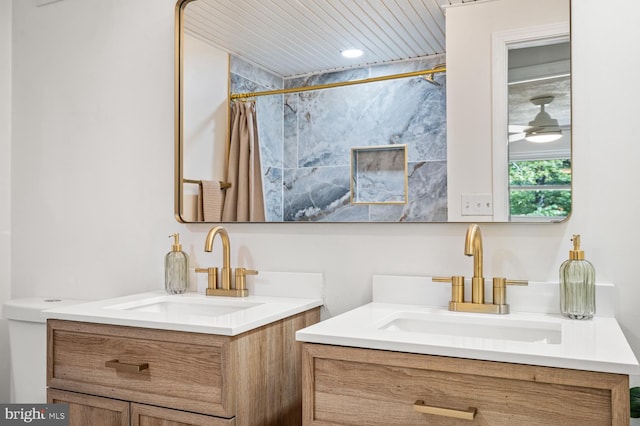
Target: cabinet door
[[91, 410], [147, 415]]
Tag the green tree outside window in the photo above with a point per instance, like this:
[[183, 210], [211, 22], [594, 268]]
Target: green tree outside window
[[540, 188]]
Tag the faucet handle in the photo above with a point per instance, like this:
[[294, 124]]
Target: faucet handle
[[241, 273], [212, 275], [457, 286], [500, 289]]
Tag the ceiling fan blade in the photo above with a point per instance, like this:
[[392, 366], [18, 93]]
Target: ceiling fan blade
[[518, 128], [516, 137]]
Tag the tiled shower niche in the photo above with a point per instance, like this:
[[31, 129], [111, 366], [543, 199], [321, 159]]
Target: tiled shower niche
[[306, 141], [379, 175]]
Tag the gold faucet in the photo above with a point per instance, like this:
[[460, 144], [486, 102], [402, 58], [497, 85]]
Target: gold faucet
[[226, 253], [473, 247], [225, 289]]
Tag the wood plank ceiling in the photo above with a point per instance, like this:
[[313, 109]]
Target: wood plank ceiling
[[297, 37]]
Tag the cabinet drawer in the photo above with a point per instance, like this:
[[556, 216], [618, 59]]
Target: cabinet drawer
[[187, 371], [351, 386]]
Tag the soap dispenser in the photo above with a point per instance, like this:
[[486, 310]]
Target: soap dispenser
[[175, 268], [577, 284]]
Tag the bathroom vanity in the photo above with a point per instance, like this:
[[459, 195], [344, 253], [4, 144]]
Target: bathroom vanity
[[157, 359], [395, 362], [122, 373]]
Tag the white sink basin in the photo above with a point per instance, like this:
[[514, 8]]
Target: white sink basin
[[193, 312], [474, 327], [170, 306], [410, 314]]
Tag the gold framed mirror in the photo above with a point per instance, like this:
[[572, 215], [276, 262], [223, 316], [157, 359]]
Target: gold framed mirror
[[304, 136]]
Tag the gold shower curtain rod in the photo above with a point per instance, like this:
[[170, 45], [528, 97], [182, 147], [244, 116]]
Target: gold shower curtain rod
[[432, 71]]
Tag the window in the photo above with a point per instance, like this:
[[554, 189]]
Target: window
[[540, 188]]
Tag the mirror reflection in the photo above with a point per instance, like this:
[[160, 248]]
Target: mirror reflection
[[267, 133], [539, 81]]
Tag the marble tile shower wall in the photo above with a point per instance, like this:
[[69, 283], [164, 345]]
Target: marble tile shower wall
[[307, 171]]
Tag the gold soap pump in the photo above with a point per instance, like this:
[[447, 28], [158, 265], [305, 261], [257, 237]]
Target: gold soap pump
[[577, 284], [176, 268]]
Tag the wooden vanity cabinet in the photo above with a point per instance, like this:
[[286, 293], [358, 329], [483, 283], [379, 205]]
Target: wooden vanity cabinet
[[184, 378], [351, 386]]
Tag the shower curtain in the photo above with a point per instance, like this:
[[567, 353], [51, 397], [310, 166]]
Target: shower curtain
[[244, 200]]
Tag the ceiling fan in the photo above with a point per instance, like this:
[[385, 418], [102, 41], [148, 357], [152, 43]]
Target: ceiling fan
[[541, 129]]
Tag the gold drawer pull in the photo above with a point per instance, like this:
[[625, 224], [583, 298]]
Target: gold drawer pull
[[468, 414], [129, 368]]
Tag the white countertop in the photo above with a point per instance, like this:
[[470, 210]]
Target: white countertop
[[195, 312], [596, 345]]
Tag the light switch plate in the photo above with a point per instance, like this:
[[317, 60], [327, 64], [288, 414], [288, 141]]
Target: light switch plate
[[477, 205]]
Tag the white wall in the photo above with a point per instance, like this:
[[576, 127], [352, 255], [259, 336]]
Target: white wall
[[5, 187], [205, 118], [92, 146], [92, 187]]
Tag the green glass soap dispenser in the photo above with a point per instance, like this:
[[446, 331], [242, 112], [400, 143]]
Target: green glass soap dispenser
[[175, 268], [577, 285]]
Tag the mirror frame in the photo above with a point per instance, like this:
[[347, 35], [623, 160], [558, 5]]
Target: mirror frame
[[178, 108], [499, 105]]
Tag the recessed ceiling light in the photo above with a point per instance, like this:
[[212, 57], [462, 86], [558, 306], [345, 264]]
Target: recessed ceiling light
[[352, 53]]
